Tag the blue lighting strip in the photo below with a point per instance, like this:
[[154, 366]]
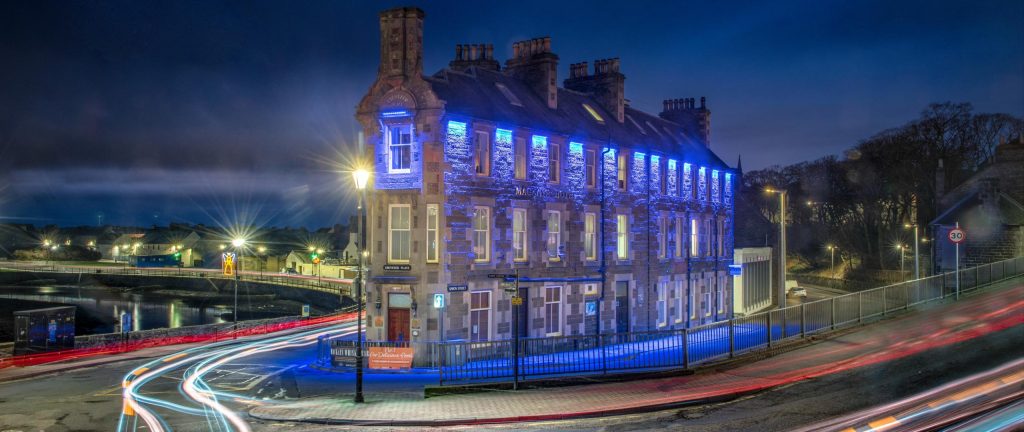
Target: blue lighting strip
[[575, 172], [727, 197], [673, 177], [393, 114], [539, 160], [716, 190], [702, 184], [687, 181], [503, 161], [656, 173]]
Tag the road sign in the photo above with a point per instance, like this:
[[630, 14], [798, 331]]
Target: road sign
[[438, 301], [305, 310], [517, 301], [316, 260], [957, 235], [501, 276], [458, 288]]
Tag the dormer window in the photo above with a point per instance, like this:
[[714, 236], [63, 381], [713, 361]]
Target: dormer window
[[512, 98], [593, 113], [399, 145]]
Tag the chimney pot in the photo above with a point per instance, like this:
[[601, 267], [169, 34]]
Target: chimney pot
[[490, 51], [703, 100]]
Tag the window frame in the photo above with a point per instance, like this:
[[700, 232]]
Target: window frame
[[433, 228], [692, 291], [590, 234], [520, 159], [590, 165], [721, 294], [662, 305], [679, 237], [392, 230], [554, 163], [622, 237], [622, 171], [486, 251], [680, 295], [663, 236], [390, 147], [525, 238], [476, 312], [694, 237], [555, 305], [555, 235], [482, 153]]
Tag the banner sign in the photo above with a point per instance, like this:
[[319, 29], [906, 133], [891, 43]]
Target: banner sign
[[390, 358], [228, 263]]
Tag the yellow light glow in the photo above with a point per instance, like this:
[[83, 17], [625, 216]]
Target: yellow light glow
[[361, 177]]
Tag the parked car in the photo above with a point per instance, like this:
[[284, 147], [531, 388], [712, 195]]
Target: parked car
[[798, 292], [289, 271]]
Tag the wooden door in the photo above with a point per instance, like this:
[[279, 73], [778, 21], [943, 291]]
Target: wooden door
[[398, 324]]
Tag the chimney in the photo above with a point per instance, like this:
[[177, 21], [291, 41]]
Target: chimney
[[533, 63], [696, 120], [401, 42], [607, 85], [479, 55]]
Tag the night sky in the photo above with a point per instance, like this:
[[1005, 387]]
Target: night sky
[[217, 113]]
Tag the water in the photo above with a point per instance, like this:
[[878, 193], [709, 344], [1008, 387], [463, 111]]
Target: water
[[99, 306]]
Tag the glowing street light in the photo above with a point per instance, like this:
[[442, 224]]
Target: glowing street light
[[237, 242], [361, 177]]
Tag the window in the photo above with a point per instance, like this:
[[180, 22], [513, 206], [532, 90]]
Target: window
[[662, 303], [519, 234], [399, 233], [720, 237], [554, 234], [591, 166], [707, 301], [554, 163], [399, 145], [694, 241], [479, 316], [622, 237], [693, 296], [482, 234], [590, 236], [663, 178], [432, 224], [680, 289], [482, 154], [553, 310], [721, 295], [593, 113], [623, 171], [663, 237], [679, 237], [512, 98], [520, 158], [708, 238]]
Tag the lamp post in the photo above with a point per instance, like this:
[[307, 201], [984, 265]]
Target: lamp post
[[917, 259], [902, 248], [263, 259], [320, 261], [832, 251], [782, 244], [237, 243], [361, 177]]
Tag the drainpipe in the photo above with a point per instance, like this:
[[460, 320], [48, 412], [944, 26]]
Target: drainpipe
[[603, 268], [647, 179]]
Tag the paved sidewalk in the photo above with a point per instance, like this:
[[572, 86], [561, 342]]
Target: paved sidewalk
[[942, 325]]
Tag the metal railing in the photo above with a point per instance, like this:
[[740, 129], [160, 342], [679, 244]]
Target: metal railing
[[582, 355], [332, 286]]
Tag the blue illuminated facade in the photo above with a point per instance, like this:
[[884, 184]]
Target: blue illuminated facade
[[605, 212]]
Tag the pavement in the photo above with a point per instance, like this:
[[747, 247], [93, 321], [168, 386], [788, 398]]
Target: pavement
[[938, 326]]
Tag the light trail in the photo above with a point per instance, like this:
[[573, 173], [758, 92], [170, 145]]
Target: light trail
[[199, 362]]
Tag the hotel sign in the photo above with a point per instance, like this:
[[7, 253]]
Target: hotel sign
[[528, 192], [397, 267]]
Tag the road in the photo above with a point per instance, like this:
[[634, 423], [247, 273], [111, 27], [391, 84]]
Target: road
[[814, 293]]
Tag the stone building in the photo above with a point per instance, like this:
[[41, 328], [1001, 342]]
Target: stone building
[[988, 206], [615, 220]]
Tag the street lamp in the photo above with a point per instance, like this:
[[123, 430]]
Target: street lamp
[[832, 251], [902, 248], [361, 177], [917, 260], [782, 244], [263, 259], [237, 243]]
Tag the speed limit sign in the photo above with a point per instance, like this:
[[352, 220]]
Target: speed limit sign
[[957, 235]]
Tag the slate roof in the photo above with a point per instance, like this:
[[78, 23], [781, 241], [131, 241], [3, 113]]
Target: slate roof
[[1010, 212], [474, 94]]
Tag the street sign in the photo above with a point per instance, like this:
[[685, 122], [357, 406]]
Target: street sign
[[305, 310], [508, 286], [501, 276], [517, 301], [438, 301], [397, 267], [957, 235], [458, 288]]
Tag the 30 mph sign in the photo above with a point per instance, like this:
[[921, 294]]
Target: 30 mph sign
[[957, 235]]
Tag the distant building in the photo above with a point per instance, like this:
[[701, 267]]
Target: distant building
[[988, 206], [616, 220], [752, 286]]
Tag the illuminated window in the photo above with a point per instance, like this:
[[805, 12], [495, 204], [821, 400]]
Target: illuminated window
[[663, 237], [432, 232], [399, 145], [593, 113], [553, 310], [512, 98], [554, 242], [623, 171], [519, 234], [591, 167], [694, 238], [680, 312], [679, 237], [622, 237], [520, 158], [482, 233], [590, 236], [399, 233], [662, 304], [554, 163], [482, 154], [479, 316]]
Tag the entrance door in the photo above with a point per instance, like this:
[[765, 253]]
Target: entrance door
[[524, 313], [622, 306], [398, 324]]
